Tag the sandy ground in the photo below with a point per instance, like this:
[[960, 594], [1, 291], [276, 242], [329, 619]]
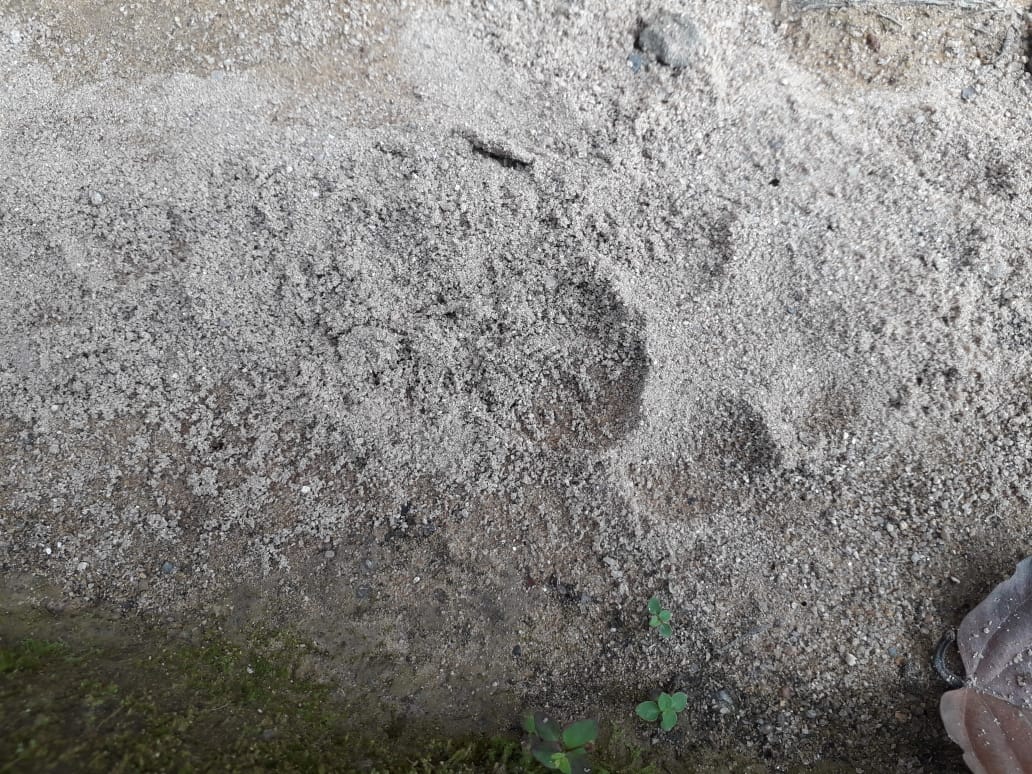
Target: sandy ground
[[452, 332]]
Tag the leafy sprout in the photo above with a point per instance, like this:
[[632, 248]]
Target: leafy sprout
[[560, 750], [659, 618], [664, 709]]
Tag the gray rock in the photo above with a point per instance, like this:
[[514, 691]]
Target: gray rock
[[671, 38]]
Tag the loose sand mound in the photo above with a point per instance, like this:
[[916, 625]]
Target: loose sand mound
[[452, 334]]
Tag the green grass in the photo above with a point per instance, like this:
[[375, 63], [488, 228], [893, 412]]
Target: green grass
[[104, 696], [26, 655]]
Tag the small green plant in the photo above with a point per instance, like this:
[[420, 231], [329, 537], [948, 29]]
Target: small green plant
[[659, 618], [560, 750], [664, 709]]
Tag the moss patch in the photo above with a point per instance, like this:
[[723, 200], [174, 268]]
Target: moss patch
[[93, 693], [98, 695], [88, 693]]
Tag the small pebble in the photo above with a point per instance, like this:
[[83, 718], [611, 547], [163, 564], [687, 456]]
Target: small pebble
[[81, 566], [517, 651], [168, 568], [16, 37], [967, 93], [671, 38], [329, 554], [850, 660], [96, 198], [306, 489]]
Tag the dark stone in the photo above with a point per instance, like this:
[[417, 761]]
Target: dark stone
[[671, 38]]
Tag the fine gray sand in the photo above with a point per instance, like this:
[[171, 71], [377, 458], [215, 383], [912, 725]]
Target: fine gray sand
[[452, 332]]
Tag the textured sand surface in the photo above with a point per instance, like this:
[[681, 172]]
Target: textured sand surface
[[459, 330]]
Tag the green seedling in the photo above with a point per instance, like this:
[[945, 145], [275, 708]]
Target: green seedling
[[659, 618], [664, 709], [560, 750]]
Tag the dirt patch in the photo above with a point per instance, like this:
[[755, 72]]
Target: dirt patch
[[462, 331], [898, 44]]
